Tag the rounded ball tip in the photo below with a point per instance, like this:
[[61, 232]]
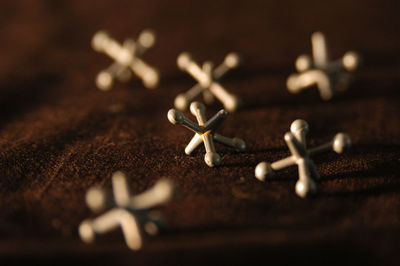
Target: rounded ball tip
[[318, 34], [304, 189], [263, 170], [104, 81], [96, 199], [175, 116], [341, 143], [118, 176], [299, 125], [183, 60], [151, 228], [181, 102], [291, 83], [212, 159], [232, 104], [351, 60], [289, 136], [239, 144], [232, 60], [194, 106], [151, 79], [303, 62], [99, 40], [86, 232], [147, 38]]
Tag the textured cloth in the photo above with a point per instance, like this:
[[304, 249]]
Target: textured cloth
[[59, 134]]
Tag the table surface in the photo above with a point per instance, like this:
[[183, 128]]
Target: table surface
[[59, 135]]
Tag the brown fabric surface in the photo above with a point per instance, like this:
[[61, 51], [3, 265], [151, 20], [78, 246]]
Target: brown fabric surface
[[59, 135]]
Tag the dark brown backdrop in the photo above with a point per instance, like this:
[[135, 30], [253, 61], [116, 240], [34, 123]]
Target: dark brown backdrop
[[59, 135]]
